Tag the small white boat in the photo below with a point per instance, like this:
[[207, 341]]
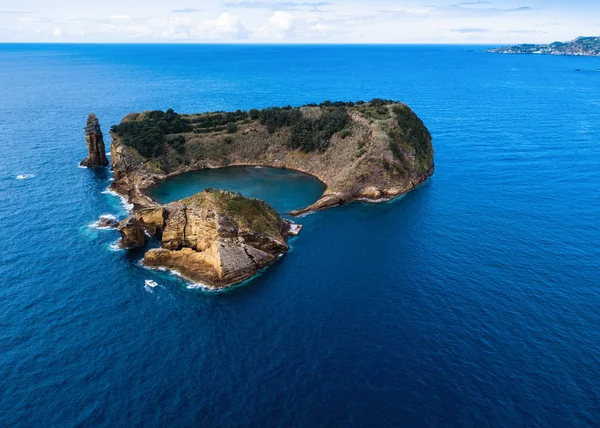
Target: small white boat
[[151, 283]]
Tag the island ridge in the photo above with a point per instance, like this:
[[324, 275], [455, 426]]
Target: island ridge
[[372, 151]]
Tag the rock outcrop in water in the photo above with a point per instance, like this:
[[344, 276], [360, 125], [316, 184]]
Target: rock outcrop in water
[[107, 222], [95, 143], [215, 237], [362, 151], [132, 233]]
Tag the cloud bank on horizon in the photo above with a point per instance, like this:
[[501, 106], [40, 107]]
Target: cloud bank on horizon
[[310, 21]]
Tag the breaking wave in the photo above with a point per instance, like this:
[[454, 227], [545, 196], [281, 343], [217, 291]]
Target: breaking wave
[[115, 246], [96, 224], [124, 203]]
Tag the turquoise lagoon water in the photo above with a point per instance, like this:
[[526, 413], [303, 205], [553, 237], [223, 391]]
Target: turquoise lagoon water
[[473, 301], [284, 189]]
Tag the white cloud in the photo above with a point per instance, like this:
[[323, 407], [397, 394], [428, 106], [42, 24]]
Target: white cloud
[[225, 26], [304, 21], [282, 21], [117, 18], [280, 25]]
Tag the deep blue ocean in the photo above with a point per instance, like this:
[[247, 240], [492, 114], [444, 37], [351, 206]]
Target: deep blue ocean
[[473, 301]]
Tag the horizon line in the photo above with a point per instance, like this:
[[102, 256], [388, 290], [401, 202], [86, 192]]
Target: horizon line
[[260, 43]]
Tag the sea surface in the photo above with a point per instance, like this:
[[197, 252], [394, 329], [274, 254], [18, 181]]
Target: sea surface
[[473, 301]]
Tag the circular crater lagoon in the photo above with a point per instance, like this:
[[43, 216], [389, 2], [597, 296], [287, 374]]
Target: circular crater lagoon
[[284, 189]]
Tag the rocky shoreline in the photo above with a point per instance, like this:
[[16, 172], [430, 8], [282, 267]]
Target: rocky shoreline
[[215, 237], [371, 152]]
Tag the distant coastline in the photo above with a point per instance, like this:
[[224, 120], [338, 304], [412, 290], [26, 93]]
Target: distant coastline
[[581, 46]]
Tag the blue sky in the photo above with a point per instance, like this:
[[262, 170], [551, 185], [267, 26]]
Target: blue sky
[[303, 21]]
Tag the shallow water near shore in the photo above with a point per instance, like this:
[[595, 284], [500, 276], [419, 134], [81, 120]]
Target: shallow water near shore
[[472, 301], [285, 190]]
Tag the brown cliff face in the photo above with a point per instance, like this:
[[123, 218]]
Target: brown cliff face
[[95, 142], [132, 233], [216, 237]]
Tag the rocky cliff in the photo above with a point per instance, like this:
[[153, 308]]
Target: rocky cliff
[[95, 143], [215, 237], [362, 151], [132, 233]]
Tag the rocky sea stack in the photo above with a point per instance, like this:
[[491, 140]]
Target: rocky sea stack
[[95, 143]]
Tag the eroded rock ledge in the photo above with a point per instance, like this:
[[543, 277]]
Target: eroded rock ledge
[[215, 237]]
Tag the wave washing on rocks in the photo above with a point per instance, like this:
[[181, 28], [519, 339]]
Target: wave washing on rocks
[[106, 222]]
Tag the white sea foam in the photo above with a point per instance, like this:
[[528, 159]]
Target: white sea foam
[[96, 224], [190, 285], [126, 205], [307, 213], [374, 201], [115, 246], [205, 288], [109, 191], [25, 176], [197, 285]]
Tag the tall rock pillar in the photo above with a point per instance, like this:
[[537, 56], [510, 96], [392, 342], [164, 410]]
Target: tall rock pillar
[[95, 143]]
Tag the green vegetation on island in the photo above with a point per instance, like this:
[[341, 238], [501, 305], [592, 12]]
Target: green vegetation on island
[[374, 150], [153, 133], [581, 46], [147, 133], [250, 213], [412, 131]]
